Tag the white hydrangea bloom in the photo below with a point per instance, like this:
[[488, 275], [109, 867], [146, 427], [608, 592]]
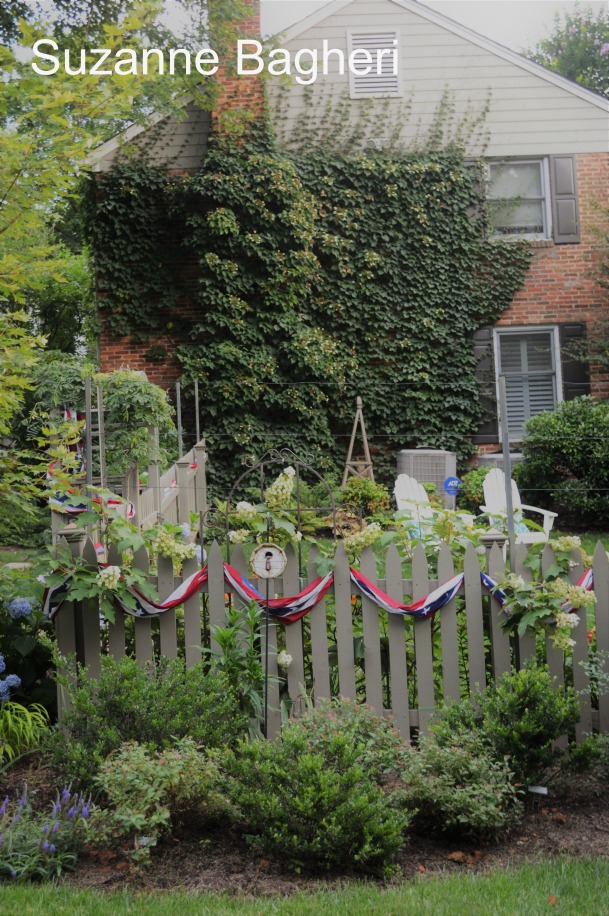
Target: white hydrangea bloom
[[109, 577], [284, 659]]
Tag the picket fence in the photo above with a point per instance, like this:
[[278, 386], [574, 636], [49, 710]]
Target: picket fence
[[404, 667]]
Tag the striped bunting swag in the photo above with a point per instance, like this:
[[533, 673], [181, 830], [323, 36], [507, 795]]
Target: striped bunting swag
[[288, 609]]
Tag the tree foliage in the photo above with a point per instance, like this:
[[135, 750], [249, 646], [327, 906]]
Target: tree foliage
[[578, 48]]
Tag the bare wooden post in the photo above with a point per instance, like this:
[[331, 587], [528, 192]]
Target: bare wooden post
[[87, 616]]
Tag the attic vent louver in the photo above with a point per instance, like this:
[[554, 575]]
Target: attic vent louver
[[384, 51]]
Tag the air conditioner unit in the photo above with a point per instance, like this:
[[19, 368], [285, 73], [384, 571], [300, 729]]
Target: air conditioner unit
[[428, 465]]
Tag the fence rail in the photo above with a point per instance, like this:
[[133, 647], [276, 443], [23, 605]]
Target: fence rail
[[408, 667]]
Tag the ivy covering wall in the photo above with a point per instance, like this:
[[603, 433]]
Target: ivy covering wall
[[320, 278]]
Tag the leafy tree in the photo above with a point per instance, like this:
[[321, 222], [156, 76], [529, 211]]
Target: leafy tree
[[578, 48]]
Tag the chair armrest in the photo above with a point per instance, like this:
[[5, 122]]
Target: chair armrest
[[548, 517], [541, 511]]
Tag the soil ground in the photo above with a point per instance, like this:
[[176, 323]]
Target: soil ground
[[571, 821]]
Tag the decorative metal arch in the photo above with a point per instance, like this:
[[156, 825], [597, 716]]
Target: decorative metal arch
[[300, 463]]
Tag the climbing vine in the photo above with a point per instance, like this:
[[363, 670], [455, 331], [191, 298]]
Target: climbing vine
[[311, 280]]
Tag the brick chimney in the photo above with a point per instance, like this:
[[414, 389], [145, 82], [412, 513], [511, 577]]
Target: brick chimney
[[240, 97]]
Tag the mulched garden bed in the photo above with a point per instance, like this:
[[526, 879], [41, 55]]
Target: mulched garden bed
[[573, 823]]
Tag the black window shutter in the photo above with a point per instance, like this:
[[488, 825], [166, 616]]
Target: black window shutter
[[575, 370], [485, 373], [565, 214]]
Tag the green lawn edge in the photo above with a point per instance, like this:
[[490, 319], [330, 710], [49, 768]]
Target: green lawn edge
[[564, 885]]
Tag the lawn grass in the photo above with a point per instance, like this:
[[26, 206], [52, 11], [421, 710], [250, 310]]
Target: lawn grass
[[561, 886], [15, 555]]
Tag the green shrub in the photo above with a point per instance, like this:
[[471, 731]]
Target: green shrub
[[460, 790], [519, 717], [24, 528], [151, 705], [21, 729], [150, 791], [566, 460], [309, 801], [378, 746], [371, 497], [471, 493]]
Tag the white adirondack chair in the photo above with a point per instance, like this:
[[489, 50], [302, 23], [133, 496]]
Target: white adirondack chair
[[411, 496], [496, 510]]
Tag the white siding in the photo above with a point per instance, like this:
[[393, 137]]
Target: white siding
[[177, 143], [529, 114]]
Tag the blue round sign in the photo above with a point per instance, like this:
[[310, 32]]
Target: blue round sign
[[452, 485]]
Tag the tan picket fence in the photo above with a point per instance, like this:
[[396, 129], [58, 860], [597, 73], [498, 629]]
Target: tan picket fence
[[347, 645]]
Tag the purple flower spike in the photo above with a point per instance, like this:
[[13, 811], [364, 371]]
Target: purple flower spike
[[55, 827], [45, 829], [52, 848], [13, 874], [4, 806], [56, 808], [65, 796], [23, 798], [45, 846], [85, 811], [72, 811]]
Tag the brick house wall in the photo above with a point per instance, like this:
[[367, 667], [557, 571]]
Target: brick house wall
[[562, 284]]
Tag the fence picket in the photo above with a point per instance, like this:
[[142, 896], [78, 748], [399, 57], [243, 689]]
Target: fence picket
[[293, 634], [500, 642], [192, 619], [526, 643], [476, 660], [168, 637], [448, 631], [601, 612], [116, 630], [144, 650], [397, 645], [87, 622], [319, 636], [344, 623], [555, 659], [216, 591], [423, 644], [372, 644], [65, 634], [581, 681]]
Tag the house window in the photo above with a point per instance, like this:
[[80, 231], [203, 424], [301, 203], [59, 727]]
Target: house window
[[529, 360], [520, 198], [383, 78]]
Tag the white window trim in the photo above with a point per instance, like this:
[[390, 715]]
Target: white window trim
[[352, 45], [547, 196], [527, 329]]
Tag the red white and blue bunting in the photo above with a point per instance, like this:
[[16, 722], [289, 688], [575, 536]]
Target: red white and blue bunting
[[291, 609]]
